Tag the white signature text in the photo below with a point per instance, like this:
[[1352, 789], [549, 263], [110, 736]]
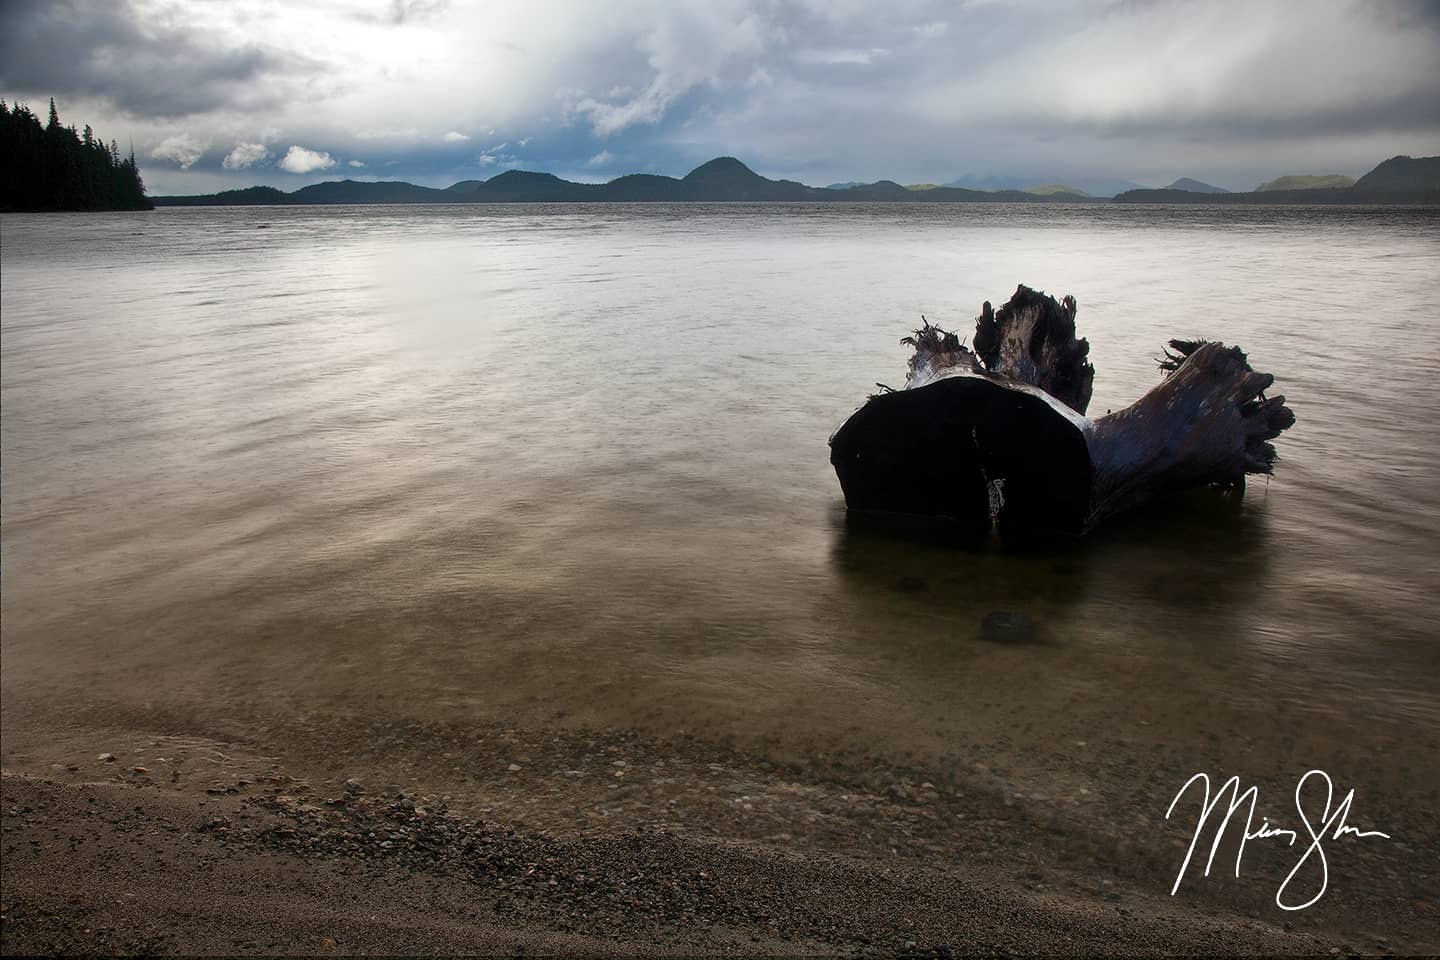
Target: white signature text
[[1331, 825]]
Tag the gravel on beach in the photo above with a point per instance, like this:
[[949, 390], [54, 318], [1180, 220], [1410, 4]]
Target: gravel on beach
[[113, 869]]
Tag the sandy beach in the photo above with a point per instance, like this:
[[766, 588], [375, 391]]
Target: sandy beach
[[609, 844]]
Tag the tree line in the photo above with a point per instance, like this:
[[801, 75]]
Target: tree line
[[52, 167]]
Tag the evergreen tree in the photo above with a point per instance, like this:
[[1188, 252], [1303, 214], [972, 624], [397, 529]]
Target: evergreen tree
[[55, 168]]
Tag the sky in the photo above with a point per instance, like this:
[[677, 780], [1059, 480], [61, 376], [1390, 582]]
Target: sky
[[217, 94]]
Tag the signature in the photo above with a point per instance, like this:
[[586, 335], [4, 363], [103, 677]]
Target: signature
[[1331, 825]]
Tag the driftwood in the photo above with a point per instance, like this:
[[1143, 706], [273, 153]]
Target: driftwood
[[996, 436]]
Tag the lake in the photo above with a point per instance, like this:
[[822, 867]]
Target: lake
[[297, 475]]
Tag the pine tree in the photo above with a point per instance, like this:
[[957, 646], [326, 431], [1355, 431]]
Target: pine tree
[[55, 168]]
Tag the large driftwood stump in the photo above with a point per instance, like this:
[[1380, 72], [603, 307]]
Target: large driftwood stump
[[997, 436]]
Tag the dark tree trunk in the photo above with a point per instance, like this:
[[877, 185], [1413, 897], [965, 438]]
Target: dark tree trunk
[[996, 436]]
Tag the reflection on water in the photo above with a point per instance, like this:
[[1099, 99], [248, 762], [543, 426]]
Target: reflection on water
[[460, 462]]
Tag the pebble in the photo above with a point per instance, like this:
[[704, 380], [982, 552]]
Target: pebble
[[513, 767], [107, 757]]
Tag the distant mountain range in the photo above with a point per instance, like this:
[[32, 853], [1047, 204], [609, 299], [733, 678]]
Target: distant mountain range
[[721, 180], [1397, 180], [726, 179]]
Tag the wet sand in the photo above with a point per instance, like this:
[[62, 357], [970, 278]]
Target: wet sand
[[119, 841]]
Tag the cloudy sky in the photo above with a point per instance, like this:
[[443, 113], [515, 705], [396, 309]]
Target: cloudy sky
[[223, 93]]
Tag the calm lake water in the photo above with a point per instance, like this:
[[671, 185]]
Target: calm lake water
[[569, 465]]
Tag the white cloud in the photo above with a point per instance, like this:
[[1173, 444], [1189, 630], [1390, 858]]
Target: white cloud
[[389, 133], [685, 47], [491, 156], [836, 56], [357, 163], [601, 159], [245, 155], [180, 148], [301, 160], [454, 136]]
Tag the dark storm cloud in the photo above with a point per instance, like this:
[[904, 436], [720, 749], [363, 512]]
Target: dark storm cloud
[[146, 69]]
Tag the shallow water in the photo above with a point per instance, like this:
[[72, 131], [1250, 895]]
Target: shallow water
[[570, 465]]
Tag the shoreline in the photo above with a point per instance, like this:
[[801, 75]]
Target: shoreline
[[93, 868], [602, 844]]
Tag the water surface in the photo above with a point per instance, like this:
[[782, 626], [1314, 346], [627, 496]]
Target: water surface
[[569, 465]]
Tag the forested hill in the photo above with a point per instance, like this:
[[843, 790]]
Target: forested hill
[[52, 167], [721, 180]]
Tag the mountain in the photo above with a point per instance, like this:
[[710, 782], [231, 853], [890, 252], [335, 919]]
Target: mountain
[[1397, 180], [519, 186], [843, 186], [643, 188], [1402, 174], [1329, 181], [248, 197], [727, 179], [368, 191], [1194, 186], [882, 191]]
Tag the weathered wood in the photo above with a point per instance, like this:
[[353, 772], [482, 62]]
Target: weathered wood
[[1032, 339], [995, 436], [1208, 422]]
